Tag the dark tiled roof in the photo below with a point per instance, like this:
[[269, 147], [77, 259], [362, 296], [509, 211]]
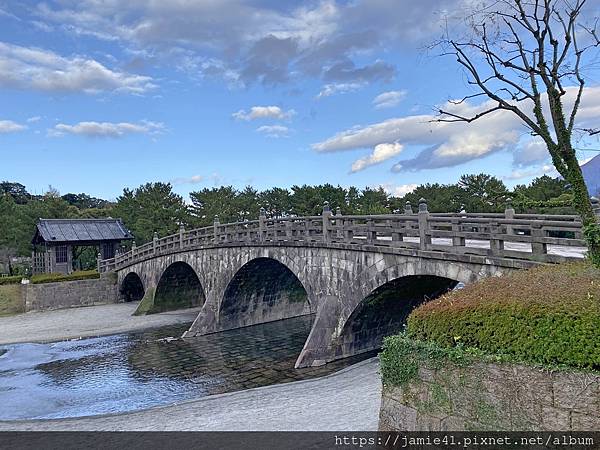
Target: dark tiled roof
[[80, 230]]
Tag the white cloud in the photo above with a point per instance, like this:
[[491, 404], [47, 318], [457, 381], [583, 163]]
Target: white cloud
[[38, 69], [399, 190], [8, 126], [530, 152], [389, 99], [264, 112], [194, 179], [339, 88], [444, 144], [274, 131], [263, 41], [519, 174], [34, 119], [381, 153], [106, 129]]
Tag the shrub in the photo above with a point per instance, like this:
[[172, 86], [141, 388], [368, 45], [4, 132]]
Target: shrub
[[54, 277], [402, 356], [548, 315], [11, 280]]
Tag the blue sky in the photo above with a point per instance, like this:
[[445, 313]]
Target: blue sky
[[99, 95]]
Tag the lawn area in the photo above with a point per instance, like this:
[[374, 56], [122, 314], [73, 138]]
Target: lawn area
[[11, 300]]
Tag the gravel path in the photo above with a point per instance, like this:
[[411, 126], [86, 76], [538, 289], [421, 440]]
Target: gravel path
[[347, 400], [72, 323]]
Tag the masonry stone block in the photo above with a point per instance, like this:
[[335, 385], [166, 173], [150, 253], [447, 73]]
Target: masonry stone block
[[338, 276], [490, 396]]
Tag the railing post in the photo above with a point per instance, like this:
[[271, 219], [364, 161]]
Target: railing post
[[154, 242], [509, 214], [326, 221], [216, 225], [181, 231], [537, 248], [457, 240], [424, 236], [596, 206], [408, 209], [496, 243], [262, 226], [99, 262], [339, 224]]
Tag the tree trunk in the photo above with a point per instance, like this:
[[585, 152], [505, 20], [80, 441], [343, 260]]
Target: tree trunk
[[582, 203]]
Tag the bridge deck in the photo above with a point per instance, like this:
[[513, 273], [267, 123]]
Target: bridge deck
[[497, 238]]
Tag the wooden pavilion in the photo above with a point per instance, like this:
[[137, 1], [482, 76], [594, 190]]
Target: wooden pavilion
[[54, 240]]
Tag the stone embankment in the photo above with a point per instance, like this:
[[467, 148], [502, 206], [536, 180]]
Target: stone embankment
[[494, 397]]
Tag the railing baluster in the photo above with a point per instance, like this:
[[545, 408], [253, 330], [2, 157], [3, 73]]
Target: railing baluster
[[538, 248], [424, 236], [374, 230], [496, 243]]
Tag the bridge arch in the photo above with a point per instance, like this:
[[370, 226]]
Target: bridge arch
[[384, 312], [178, 287], [330, 337], [262, 290], [132, 288]]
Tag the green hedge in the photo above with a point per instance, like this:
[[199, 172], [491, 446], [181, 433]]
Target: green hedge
[[548, 315], [11, 280], [54, 277], [402, 356]]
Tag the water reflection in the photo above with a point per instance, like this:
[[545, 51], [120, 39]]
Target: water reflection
[[138, 370]]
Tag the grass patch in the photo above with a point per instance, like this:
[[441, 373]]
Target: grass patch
[[549, 315], [55, 277], [11, 300], [11, 280], [402, 356]]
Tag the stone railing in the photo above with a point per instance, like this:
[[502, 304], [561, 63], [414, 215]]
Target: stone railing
[[508, 235]]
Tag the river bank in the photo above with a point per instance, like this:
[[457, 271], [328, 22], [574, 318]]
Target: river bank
[[346, 400], [73, 323]]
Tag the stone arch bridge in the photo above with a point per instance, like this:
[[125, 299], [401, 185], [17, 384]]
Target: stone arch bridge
[[358, 276]]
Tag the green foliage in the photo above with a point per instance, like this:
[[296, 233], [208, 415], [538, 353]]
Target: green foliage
[[155, 207], [152, 207], [83, 201], [10, 280], [402, 356], [440, 198], [548, 315], [55, 277], [277, 202], [591, 233], [542, 189], [16, 191], [482, 193], [85, 258], [210, 202], [11, 300]]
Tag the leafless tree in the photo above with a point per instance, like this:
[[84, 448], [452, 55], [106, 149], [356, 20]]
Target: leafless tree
[[524, 56]]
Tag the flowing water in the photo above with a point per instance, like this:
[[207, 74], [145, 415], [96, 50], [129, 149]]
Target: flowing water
[[137, 370]]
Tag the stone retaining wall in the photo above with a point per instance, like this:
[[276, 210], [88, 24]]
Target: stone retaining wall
[[495, 397], [67, 294]]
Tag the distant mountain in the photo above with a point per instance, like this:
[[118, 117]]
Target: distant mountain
[[591, 173]]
